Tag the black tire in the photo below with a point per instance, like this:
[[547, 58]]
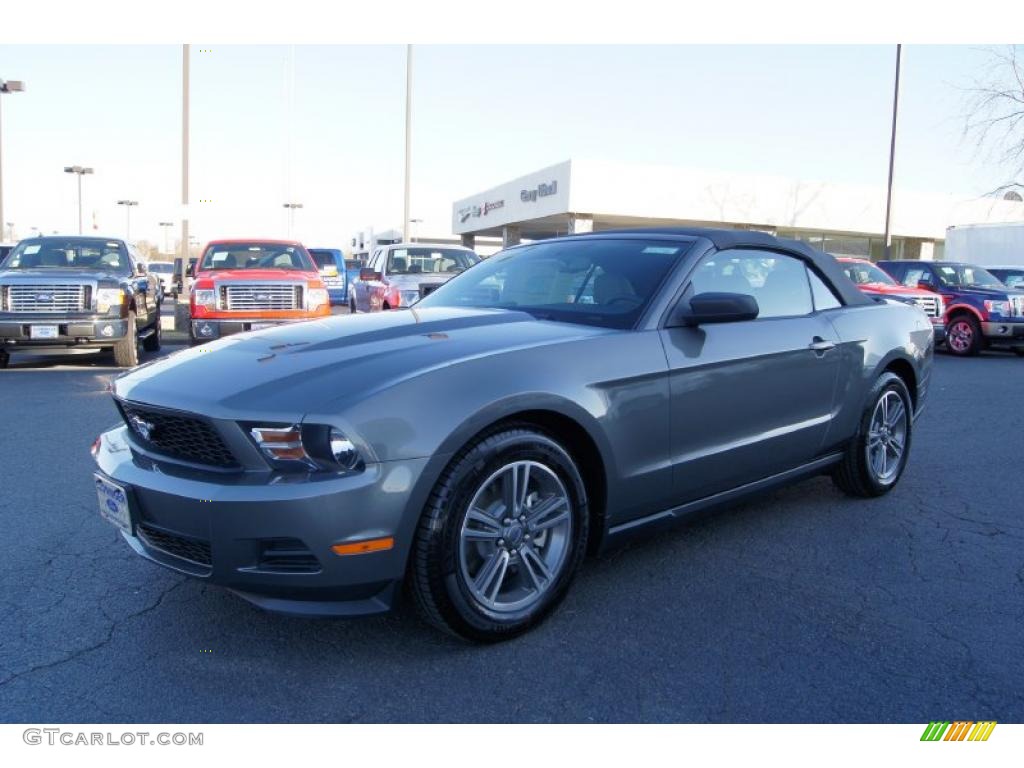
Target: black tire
[[153, 341], [963, 336], [126, 351], [5, 359], [352, 306], [855, 475], [1018, 351], [435, 577]]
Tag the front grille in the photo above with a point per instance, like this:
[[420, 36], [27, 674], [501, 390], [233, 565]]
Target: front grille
[[929, 304], [287, 556], [45, 298], [194, 550], [268, 297], [179, 435], [1017, 306]]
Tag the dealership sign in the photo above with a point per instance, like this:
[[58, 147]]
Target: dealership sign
[[541, 190], [476, 211]]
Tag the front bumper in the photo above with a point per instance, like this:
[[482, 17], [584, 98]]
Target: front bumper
[[16, 333], [220, 527], [1009, 332], [209, 329]]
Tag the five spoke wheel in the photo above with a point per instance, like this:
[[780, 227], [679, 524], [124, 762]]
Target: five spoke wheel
[[887, 436]]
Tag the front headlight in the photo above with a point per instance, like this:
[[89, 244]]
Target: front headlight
[[107, 298], [316, 298], [307, 446], [997, 307], [205, 297]]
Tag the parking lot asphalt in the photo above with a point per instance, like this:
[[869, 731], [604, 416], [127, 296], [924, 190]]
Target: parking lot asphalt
[[801, 606]]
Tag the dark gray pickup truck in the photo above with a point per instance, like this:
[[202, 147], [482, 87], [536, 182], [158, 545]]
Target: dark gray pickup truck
[[82, 292]]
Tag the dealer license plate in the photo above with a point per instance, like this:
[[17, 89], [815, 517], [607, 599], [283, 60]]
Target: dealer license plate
[[42, 332], [113, 503]]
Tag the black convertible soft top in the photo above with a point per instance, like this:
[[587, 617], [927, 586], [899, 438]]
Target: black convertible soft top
[[724, 239]]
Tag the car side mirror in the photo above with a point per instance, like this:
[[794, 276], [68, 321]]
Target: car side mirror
[[369, 275], [192, 270], [711, 307], [141, 267], [926, 285]]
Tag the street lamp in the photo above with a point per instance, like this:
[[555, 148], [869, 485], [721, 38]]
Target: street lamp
[[165, 225], [291, 215], [10, 231], [412, 230], [128, 216], [79, 171], [6, 86]]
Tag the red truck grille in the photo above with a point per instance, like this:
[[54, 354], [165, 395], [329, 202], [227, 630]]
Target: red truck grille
[[260, 297]]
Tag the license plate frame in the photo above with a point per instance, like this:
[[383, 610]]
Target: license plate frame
[[113, 503], [43, 331]]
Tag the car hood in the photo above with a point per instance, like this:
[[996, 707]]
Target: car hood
[[413, 282], [256, 275], [58, 275], [282, 373], [884, 289], [984, 293]]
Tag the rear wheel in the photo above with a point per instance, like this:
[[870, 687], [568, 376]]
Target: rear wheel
[[1018, 351], [5, 359], [126, 351], [352, 305], [875, 459], [963, 336], [501, 538]]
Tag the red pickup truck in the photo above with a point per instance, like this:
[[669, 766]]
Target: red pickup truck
[[244, 285]]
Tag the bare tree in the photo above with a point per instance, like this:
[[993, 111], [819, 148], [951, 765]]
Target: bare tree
[[994, 118]]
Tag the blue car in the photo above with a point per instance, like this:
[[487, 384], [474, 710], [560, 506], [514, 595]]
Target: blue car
[[331, 263]]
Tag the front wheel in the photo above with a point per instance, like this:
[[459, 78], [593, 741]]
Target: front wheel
[[875, 459], [153, 341], [963, 336], [126, 351], [352, 306], [501, 538]]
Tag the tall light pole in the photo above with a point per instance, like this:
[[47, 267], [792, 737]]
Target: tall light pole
[[181, 317], [408, 138], [291, 215], [6, 86], [79, 171], [127, 216], [412, 230], [892, 156], [164, 225]]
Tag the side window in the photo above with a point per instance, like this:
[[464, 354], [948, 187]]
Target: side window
[[822, 294], [778, 282], [914, 275]]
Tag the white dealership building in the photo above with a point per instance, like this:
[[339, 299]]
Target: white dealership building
[[586, 196]]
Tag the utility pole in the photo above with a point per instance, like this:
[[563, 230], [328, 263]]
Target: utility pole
[[292, 207], [181, 309], [408, 138], [892, 156], [8, 86], [79, 171]]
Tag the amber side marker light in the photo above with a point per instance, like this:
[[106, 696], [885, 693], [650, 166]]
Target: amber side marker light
[[364, 547]]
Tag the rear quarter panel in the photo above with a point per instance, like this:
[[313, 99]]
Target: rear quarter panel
[[872, 337]]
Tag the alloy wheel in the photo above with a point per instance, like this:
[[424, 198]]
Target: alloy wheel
[[960, 336], [515, 537], [887, 436]]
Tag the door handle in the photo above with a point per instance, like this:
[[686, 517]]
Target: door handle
[[820, 345]]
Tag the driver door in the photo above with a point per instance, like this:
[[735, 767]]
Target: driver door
[[753, 398]]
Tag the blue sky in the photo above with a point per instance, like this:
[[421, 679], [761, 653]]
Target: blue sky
[[323, 125]]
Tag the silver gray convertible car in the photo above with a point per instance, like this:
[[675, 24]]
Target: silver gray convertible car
[[547, 402]]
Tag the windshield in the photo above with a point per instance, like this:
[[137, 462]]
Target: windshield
[[865, 273], [70, 253], [161, 267], [255, 256], [595, 282], [1011, 277], [963, 275], [429, 261]]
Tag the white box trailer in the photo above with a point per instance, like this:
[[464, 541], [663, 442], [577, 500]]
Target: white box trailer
[[988, 245]]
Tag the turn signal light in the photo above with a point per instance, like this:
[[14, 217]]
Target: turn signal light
[[364, 547]]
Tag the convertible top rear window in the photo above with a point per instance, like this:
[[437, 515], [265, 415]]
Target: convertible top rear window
[[602, 282]]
